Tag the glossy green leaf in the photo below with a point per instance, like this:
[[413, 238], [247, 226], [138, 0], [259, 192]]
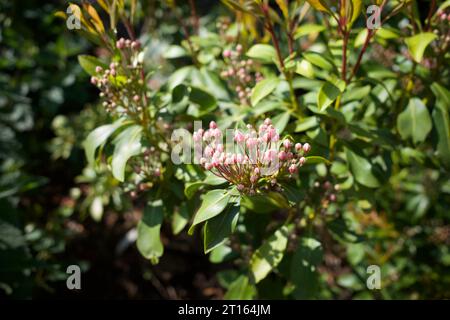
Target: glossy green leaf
[[305, 68], [241, 289], [307, 29], [442, 122], [318, 60], [89, 63], [361, 169], [98, 137], [415, 121], [306, 123], [218, 229], [127, 145], [262, 52], [214, 202], [327, 94], [269, 255], [263, 89], [320, 5], [280, 121], [149, 240], [180, 219], [418, 43]]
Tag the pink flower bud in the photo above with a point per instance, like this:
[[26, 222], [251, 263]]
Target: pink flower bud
[[282, 155], [98, 69], [128, 43], [267, 122], [239, 137], [208, 166], [298, 147], [287, 143], [306, 147], [136, 98], [256, 171], [227, 53], [120, 44], [253, 179], [292, 169], [94, 80], [209, 151], [239, 48], [212, 125], [219, 148], [203, 161], [240, 187], [135, 45], [302, 161], [196, 137]]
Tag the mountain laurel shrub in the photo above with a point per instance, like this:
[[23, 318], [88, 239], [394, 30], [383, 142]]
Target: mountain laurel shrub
[[350, 118]]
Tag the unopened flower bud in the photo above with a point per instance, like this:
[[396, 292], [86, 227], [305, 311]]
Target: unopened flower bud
[[306, 147], [292, 169], [227, 53], [212, 125], [287, 143], [120, 44], [135, 45]]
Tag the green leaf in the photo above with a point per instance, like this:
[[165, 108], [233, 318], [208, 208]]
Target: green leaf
[[174, 52], [218, 229], [241, 289], [191, 188], [361, 169], [307, 29], [203, 99], [214, 202], [418, 43], [361, 38], [306, 124], [442, 122], [303, 271], [318, 60], [327, 94], [265, 203], [89, 63], [305, 68], [262, 52], [221, 254], [320, 5], [280, 121], [317, 159], [98, 137], [269, 255], [355, 11], [127, 144], [414, 122], [263, 89], [148, 240], [180, 219]]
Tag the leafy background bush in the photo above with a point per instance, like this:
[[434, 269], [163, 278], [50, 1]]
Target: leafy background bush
[[379, 131]]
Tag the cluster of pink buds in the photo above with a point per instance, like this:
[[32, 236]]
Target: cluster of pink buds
[[120, 84], [240, 74], [256, 159], [147, 167]]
